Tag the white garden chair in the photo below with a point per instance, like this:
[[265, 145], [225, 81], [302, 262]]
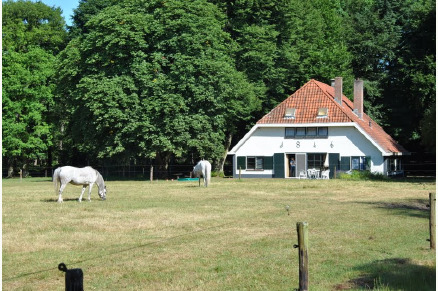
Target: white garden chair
[[325, 174]]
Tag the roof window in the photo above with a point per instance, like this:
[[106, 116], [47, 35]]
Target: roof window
[[322, 112], [289, 113]]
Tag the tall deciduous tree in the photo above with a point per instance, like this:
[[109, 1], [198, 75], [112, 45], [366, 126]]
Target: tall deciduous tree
[[393, 46], [411, 81], [154, 79], [281, 44], [33, 34], [373, 34]]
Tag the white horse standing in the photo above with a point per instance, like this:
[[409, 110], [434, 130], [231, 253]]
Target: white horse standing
[[79, 176], [203, 168]]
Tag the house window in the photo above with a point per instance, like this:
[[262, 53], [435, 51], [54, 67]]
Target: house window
[[289, 113], [315, 161], [395, 165], [306, 132], [322, 112], [254, 163], [289, 132], [360, 163], [323, 131], [311, 132], [301, 132]]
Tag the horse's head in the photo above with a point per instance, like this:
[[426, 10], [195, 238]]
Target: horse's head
[[102, 193]]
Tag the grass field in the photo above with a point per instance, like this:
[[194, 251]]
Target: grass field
[[234, 235]]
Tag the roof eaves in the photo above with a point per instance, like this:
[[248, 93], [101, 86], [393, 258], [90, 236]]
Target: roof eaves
[[243, 140]]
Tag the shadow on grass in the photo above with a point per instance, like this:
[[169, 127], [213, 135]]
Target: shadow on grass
[[392, 274], [43, 180], [413, 207], [63, 199]]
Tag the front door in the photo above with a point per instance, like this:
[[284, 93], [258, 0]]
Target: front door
[[300, 164], [292, 166]]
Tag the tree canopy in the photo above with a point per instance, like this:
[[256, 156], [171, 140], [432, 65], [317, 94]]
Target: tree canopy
[[154, 79], [171, 79], [33, 34]]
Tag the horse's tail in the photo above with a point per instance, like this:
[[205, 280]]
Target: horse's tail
[[207, 173], [56, 179]]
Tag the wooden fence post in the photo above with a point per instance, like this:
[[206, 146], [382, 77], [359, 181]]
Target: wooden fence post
[[152, 173], [303, 240], [432, 221], [74, 278]]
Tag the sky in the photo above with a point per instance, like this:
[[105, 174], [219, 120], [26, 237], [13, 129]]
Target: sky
[[67, 7]]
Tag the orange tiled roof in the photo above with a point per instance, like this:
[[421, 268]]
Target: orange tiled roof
[[314, 95]]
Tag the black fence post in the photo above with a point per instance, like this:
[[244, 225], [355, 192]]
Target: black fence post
[[74, 278]]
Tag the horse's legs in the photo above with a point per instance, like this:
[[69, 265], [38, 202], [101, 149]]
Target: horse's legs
[[60, 192], [89, 192], [82, 193], [199, 181]]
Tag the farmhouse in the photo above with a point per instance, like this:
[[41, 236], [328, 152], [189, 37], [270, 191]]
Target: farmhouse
[[321, 132]]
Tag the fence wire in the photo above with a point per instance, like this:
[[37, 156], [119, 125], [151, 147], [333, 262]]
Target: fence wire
[[128, 172], [143, 172], [121, 251]]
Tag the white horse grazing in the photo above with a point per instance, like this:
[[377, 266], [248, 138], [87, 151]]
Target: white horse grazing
[[79, 176], [203, 168]]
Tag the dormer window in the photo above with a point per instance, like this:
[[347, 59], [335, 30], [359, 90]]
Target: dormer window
[[322, 112], [289, 113]]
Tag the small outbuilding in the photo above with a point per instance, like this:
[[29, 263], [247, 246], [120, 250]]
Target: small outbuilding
[[316, 132]]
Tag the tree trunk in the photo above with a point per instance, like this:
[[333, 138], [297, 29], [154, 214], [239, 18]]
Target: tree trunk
[[11, 163], [162, 163], [25, 170], [10, 171], [220, 166], [49, 158]]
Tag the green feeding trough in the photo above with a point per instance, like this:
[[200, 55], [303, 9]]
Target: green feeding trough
[[188, 179]]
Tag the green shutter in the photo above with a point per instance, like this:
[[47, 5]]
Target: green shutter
[[279, 165], [333, 164], [241, 163], [345, 164], [268, 163]]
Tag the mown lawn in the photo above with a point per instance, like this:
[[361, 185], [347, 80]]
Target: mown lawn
[[234, 235]]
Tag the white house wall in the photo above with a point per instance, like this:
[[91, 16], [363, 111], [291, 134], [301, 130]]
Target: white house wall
[[345, 140]]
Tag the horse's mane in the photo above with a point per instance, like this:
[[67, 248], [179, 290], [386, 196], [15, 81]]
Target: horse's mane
[[99, 179]]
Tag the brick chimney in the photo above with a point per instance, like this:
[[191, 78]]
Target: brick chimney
[[358, 98], [338, 90]]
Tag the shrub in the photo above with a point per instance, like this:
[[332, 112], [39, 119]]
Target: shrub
[[217, 174], [362, 175]]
